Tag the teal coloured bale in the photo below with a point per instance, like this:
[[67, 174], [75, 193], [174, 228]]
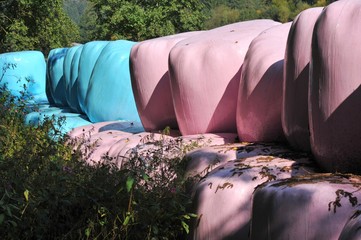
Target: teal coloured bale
[[110, 95], [72, 84], [88, 58], [24, 68], [65, 120], [43, 112], [55, 77], [68, 70]]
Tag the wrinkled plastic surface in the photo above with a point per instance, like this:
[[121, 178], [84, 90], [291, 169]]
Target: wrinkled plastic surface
[[223, 198], [55, 77], [296, 80], [352, 228], [110, 95], [88, 58], [115, 141], [205, 75], [151, 83], [335, 91], [312, 207], [260, 92], [71, 63], [65, 120], [29, 69], [72, 89]]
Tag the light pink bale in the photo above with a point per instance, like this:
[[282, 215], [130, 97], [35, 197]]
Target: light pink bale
[[100, 143], [108, 142], [210, 139], [296, 78], [309, 207], [352, 228], [150, 81], [123, 126], [223, 198], [122, 148], [141, 144], [335, 92], [205, 75], [260, 92]]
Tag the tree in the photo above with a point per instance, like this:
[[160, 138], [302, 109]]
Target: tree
[[75, 9], [35, 24], [222, 15], [87, 24], [143, 19]]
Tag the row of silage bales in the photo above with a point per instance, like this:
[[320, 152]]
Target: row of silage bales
[[89, 83]]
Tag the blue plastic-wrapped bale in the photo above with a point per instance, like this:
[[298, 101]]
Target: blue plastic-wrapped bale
[[88, 58], [44, 111], [55, 77], [68, 70], [26, 68], [110, 95], [72, 77], [65, 120]]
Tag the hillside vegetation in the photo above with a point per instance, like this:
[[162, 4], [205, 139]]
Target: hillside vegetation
[[29, 24]]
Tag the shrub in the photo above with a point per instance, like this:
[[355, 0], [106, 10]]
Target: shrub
[[47, 191]]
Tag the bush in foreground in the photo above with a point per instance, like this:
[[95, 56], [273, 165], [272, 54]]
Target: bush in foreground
[[47, 191]]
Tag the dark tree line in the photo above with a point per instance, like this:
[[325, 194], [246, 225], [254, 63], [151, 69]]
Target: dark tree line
[[43, 25], [35, 24]]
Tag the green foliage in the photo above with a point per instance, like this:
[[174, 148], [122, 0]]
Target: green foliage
[[148, 19], [75, 9], [222, 15], [221, 12], [286, 10], [35, 24], [48, 191], [87, 24]]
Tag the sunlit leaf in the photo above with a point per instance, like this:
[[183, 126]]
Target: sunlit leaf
[[185, 226], [87, 232], [129, 183], [126, 220], [26, 195]]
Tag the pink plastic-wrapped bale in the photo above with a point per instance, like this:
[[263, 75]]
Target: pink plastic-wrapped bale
[[112, 126], [352, 228], [260, 91], [150, 81], [142, 144], [101, 143], [308, 207], [205, 74], [112, 142], [335, 92], [223, 198], [296, 79]]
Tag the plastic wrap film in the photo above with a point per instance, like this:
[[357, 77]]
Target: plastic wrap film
[[151, 83], [205, 74], [71, 64], [230, 173], [352, 228], [306, 207], [260, 91], [24, 68], [296, 80], [335, 92], [55, 77], [110, 95], [88, 58]]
